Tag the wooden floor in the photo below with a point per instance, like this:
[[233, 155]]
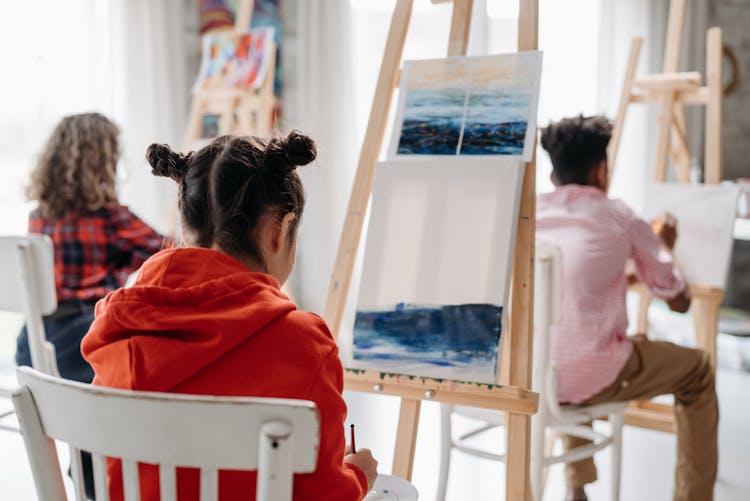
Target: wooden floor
[[647, 464]]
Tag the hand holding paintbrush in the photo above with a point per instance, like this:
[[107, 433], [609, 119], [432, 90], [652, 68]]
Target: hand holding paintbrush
[[362, 459]]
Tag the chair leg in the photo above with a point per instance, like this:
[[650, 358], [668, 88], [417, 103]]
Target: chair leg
[[617, 421], [549, 448], [538, 441], [446, 446]]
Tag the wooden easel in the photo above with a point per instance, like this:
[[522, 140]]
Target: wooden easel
[[516, 398], [241, 111], [672, 91]]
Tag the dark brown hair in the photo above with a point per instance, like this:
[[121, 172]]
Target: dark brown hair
[[227, 187], [77, 171], [576, 145]]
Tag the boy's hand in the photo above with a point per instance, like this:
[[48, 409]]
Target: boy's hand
[[363, 460], [665, 227]]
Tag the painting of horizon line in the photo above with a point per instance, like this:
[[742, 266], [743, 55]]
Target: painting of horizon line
[[468, 106], [495, 122], [432, 122], [457, 342]]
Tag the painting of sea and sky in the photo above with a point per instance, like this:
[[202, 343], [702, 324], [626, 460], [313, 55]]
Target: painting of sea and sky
[[411, 318], [453, 341], [468, 106]]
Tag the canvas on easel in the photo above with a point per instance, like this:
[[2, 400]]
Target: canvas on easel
[[705, 217], [234, 90], [468, 106], [437, 268]]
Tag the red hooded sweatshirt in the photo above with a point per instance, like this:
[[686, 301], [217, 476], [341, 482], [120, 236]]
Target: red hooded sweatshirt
[[197, 321]]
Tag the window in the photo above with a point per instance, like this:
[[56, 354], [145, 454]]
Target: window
[[55, 64]]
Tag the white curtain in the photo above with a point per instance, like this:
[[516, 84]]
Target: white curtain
[[124, 58], [318, 100], [152, 44]]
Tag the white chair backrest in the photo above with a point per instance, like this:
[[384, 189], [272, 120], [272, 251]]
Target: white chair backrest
[[547, 299], [27, 286], [276, 437]]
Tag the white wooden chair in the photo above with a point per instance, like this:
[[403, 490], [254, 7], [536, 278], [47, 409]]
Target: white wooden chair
[[276, 437], [551, 416], [27, 286]]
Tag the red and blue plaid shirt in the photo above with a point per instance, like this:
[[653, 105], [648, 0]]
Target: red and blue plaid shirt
[[95, 253]]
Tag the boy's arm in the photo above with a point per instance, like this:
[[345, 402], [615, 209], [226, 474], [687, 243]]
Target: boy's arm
[[653, 262]]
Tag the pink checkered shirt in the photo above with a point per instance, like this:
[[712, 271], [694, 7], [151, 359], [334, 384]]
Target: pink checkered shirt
[[597, 236]]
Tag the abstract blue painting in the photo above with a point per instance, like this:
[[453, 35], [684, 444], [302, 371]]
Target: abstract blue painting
[[432, 122], [468, 106], [496, 120], [462, 339]]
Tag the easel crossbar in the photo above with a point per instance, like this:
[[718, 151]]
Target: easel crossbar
[[496, 397]]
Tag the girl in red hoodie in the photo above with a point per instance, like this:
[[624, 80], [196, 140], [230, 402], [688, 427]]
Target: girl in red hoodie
[[210, 318]]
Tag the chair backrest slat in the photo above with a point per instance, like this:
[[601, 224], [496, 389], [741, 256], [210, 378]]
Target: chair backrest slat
[[99, 464], [276, 448], [40, 449], [41, 254], [209, 484], [547, 298], [76, 470], [130, 480], [276, 437], [167, 482], [27, 286]]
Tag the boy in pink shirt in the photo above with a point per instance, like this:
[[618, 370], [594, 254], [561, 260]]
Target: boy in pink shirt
[[595, 361]]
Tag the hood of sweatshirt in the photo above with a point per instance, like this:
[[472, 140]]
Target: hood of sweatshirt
[[188, 308]]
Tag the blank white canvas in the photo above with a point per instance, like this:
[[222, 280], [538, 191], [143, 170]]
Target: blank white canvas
[[705, 224], [441, 232]]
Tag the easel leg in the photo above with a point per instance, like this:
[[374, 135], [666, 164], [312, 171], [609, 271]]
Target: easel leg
[[712, 160], [706, 321], [644, 301], [662, 145], [627, 85], [517, 481], [406, 438], [679, 148]]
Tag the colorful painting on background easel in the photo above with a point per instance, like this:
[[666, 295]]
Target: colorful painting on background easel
[[436, 268], [235, 60], [468, 106]]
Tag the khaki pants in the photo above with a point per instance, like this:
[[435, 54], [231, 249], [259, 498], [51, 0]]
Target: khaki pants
[[660, 368]]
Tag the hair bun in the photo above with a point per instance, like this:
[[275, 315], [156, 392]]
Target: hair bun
[[299, 149], [166, 162]]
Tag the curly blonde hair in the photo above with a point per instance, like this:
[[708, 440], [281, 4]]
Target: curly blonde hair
[[77, 170]]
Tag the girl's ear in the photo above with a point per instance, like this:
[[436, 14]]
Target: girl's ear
[[285, 227]]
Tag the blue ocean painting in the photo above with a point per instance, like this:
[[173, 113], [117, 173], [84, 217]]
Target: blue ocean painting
[[432, 121], [496, 121], [452, 341]]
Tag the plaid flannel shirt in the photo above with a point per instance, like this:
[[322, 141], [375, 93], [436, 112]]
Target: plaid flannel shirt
[[95, 253]]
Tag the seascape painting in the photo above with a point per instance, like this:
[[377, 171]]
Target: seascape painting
[[452, 341], [432, 122], [468, 106], [495, 121], [411, 319]]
